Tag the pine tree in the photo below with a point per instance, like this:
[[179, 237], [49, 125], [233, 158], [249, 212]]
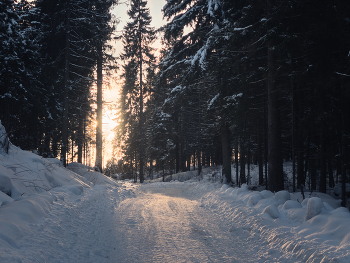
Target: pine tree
[[137, 39], [20, 89], [188, 64], [70, 55], [102, 33]]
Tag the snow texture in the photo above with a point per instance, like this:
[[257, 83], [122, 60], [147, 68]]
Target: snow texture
[[52, 214], [314, 207]]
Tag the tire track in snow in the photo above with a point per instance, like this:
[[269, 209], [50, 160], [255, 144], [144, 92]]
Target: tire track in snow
[[106, 224], [158, 228], [79, 229]]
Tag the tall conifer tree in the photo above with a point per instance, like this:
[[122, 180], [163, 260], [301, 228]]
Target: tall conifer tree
[[137, 39]]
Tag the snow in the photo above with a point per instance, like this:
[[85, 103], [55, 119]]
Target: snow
[[3, 139], [314, 207], [213, 101], [213, 5], [52, 214]]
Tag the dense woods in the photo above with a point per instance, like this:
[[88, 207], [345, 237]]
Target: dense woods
[[50, 53], [247, 82]]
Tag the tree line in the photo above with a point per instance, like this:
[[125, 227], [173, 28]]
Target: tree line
[[240, 81], [52, 56]]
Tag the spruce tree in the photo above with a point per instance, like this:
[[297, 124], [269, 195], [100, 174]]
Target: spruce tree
[[20, 89], [137, 39]]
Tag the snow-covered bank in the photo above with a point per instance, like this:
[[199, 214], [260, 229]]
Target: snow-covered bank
[[279, 227], [30, 186]]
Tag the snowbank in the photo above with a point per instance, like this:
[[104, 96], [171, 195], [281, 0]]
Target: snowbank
[[23, 173], [287, 227], [286, 221], [29, 186], [95, 178]]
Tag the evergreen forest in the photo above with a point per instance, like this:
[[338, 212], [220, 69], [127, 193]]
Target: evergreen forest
[[235, 83]]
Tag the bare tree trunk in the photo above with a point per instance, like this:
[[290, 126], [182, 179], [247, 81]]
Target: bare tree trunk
[[84, 143], [248, 162], [323, 162], [199, 150], [80, 137], [265, 147], [226, 152], [260, 158], [293, 129], [65, 92], [141, 153], [242, 162], [275, 168], [301, 175], [98, 161], [236, 162], [343, 160], [199, 163], [188, 162]]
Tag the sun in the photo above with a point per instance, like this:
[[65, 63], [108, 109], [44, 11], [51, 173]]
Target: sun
[[109, 122]]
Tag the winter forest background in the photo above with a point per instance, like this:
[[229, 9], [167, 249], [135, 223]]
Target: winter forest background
[[236, 83]]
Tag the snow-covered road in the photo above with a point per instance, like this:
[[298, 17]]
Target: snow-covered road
[[164, 226], [128, 224], [169, 222]]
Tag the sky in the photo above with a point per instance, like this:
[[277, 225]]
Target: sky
[[111, 95]]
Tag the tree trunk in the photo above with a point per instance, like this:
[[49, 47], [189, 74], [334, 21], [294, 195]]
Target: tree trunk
[[260, 157], [343, 160], [80, 137], [98, 162], [177, 145], [199, 163], [330, 171], [299, 140], [188, 162], [226, 153], [275, 165], [293, 130], [141, 153], [65, 92], [265, 147], [242, 162], [323, 162], [236, 162], [248, 162]]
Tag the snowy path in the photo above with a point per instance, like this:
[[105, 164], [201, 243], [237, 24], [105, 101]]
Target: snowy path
[[126, 224], [82, 228], [162, 226], [171, 222]]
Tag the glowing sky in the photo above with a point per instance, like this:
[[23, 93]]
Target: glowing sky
[[110, 96]]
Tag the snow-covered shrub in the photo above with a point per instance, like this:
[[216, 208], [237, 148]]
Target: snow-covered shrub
[[4, 140], [337, 191], [272, 211], [254, 199], [243, 189], [282, 196], [5, 184], [314, 207], [290, 204]]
